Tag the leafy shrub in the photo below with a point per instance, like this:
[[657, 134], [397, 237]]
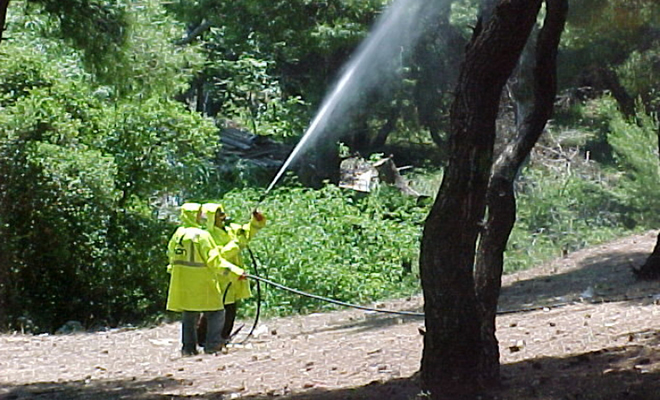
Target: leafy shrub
[[343, 245], [635, 145], [79, 173], [561, 210]]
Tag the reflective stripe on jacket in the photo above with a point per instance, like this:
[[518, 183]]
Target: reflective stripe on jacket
[[196, 268]]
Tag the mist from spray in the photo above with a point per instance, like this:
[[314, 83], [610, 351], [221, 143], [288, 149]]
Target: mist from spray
[[397, 29]]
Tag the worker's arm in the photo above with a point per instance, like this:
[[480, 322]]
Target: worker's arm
[[217, 262], [231, 250], [257, 221], [171, 245], [242, 234]]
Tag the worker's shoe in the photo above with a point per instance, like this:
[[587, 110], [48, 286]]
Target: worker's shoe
[[185, 352], [220, 348]]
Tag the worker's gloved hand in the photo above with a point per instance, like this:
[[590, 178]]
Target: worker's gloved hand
[[258, 216]]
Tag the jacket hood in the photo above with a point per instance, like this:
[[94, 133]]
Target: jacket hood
[[189, 213], [209, 210]]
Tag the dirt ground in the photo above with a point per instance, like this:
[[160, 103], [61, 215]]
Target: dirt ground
[[591, 332]]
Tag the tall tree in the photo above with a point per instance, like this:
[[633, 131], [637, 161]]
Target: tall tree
[[454, 359], [500, 197]]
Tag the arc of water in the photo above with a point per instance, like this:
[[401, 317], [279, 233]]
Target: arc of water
[[312, 128], [391, 32]]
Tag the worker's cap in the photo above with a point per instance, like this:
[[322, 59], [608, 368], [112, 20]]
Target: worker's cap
[[213, 208], [190, 207]]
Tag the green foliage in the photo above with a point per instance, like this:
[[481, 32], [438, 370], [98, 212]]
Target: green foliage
[[640, 76], [57, 199], [82, 169], [250, 96], [97, 27], [129, 47], [158, 146], [561, 210], [152, 65], [635, 145], [132, 286], [270, 64], [604, 33], [343, 245]]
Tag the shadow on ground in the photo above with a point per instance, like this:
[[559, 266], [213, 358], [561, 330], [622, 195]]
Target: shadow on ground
[[397, 389], [630, 372], [370, 322], [627, 372], [602, 278], [93, 389]]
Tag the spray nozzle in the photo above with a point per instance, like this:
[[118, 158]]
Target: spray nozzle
[[260, 200]]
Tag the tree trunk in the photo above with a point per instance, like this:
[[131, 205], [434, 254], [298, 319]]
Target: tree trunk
[[651, 268], [501, 202], [5, 280], [453, 349], [4, 5], [600, 79], [384, 132]]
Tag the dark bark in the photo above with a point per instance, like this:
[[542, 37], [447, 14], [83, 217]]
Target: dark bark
[[501, 202], [384, 132], [4, 5], [453, 348], [651, 268], [195, 33]]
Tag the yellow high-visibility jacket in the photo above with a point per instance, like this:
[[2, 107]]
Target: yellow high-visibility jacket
[[230, 241], [196, 269], [188, 219]]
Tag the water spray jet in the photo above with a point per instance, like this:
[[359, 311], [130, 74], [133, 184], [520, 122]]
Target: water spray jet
[[398, 28]]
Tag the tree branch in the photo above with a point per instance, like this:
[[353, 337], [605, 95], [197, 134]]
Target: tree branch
[[4, 5], [192, 35]]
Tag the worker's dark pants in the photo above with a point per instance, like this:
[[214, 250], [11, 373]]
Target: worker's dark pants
[[230, 318], [212, 332]]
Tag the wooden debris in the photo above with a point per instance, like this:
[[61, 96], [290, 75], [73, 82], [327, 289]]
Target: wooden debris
[[363, 176]]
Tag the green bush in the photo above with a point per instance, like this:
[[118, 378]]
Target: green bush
[[635, 146], [81, 174], [344, 245], [563, 210]]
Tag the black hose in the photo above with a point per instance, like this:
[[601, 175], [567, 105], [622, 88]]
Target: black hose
[[341, 303], [255, 266], [259, 279]]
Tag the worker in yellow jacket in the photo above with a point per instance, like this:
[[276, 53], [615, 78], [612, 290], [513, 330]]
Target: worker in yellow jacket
[[231, 238], [196, 268]]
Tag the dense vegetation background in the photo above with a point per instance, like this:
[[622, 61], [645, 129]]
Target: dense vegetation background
[[111, 114]]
